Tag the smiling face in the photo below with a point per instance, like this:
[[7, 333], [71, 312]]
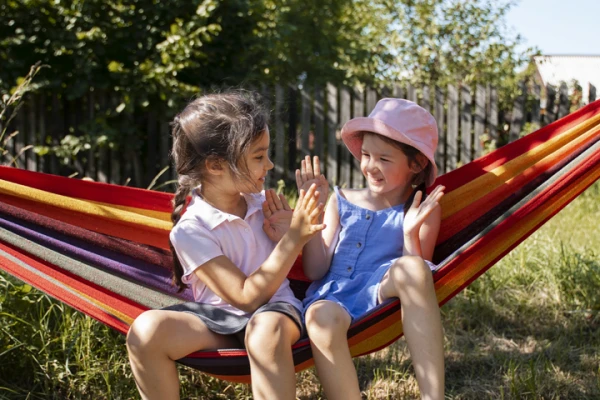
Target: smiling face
[[387, 169], [257, 164]]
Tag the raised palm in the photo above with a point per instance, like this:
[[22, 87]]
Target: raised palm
[[418, 212], [310, 173], [278, 215]]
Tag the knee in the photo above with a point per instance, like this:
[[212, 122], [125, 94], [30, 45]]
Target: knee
[[411, 271], [144, 330], [326, 323], [268, 334]]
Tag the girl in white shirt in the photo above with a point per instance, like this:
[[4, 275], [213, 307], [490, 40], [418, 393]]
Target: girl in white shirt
[[234, 245]]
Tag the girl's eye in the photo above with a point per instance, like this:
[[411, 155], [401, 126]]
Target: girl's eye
[[384, 159], [365, 155], [259, 158]]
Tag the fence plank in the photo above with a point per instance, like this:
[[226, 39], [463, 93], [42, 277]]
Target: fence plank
[[32, 132], [371, 100], [452, 132], [411, 93], [398, 91], [292, 141], [332, 164], [479, 120], [345, 156], [592, 93], [517, 115], [492, 112], [279, 134], [426, 100], [305, 131], [41, 137], [466, 140], [563, 100], [91, 112], [535, 106], [357, 111], [319, 122], [438, 110], [550, 115]]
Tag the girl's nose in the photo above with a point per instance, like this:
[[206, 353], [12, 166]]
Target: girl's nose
[[270, 164]]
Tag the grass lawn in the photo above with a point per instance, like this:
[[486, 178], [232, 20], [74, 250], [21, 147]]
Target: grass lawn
[[527, 329]]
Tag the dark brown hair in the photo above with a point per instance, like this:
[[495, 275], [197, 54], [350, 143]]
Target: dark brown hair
[[420, 179], [222, 126]]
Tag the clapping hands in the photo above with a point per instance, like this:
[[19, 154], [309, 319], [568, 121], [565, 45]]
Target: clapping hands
[[310, 173], [278, 215]]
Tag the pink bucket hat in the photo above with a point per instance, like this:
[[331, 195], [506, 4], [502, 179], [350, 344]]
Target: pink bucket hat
[[400, 120]]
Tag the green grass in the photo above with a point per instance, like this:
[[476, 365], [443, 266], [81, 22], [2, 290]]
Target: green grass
[[527, 329]]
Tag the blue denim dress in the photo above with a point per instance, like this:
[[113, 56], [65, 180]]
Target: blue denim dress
[[369, 242]]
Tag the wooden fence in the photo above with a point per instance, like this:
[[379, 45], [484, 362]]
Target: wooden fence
[[304, 121]]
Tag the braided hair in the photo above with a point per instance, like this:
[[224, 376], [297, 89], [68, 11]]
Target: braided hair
[[220, 126]]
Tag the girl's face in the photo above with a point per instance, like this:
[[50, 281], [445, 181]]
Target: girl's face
[[385, 166], [258, 163]]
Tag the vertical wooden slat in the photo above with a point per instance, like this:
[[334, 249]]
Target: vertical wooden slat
[[398, 91], [103, 163], [91, 114], [563, 100], [592, 93], [479, 120], [426, 100], [452, 132], [535, 107], [332, 109], [319, 122], [279, 134], [41, 137], [411, 93], [152, 155], [438, 110], [550, 114], [345, 156], [492, 120], [305, 130], [371, 100], [57, 129], [466, 116], [518, 114], [292, 140], [30, 157], [358, 110], [20, 138]]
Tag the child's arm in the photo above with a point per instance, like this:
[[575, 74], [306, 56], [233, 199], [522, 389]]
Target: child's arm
[[318, 252], [250, 292], [422, 224]]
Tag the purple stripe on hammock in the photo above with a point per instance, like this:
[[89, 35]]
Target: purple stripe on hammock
[[148, 254], [140, 272]]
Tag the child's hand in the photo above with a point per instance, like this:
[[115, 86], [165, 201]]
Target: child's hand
[[306, 215], [278, 215], [418, 212], [311, 173]]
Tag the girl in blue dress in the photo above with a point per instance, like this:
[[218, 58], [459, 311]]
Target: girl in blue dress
[[377, 245]]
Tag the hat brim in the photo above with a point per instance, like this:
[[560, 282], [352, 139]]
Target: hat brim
[[352, 136]]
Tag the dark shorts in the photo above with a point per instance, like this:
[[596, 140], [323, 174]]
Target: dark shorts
[[225, 323]]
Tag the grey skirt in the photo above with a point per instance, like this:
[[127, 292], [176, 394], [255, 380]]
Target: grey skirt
[[226, 323]]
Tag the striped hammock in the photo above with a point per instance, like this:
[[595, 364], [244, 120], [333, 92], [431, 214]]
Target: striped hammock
[[103, 249]]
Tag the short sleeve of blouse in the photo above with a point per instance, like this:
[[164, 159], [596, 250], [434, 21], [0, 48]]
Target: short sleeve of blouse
[[194, 245]]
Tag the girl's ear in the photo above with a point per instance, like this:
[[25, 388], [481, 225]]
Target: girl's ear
[[214, 165], [420, 164]]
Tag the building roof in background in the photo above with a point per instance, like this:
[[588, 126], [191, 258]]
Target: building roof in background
[[554, 69]]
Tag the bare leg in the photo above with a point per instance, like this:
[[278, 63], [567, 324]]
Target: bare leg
[[269, 339], [410, 279], [327, 325], [156, 339]]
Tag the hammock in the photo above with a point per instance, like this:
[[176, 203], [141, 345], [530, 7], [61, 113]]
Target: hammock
[[103, 249]]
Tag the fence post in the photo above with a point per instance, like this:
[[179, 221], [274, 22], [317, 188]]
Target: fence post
[[466, 141], [592, 93], [397, 91], [411, 93], [479, 120], [41, 137], [292, 132], [319, 122], [492, 114], [426, 100], [563, 101], [452, 132], [438, 109], [550, 115], [332, 170], [305, 122], [535, 107], [345, 156], [358, 111], [279, 134], [517, 115], [30, 157]]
